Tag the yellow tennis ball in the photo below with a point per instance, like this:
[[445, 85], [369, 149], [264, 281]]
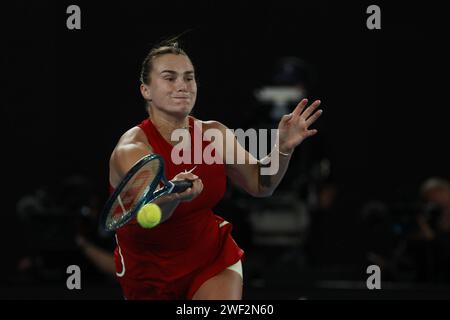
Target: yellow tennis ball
[[149, 215]]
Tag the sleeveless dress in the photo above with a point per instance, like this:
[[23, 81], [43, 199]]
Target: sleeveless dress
[[173, 259]]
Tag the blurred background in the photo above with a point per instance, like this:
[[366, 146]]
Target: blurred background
[[371, 188]]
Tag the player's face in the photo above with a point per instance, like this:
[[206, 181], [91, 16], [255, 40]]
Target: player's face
[[172, 87]]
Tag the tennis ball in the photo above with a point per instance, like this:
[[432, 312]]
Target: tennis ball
[[149, 215]]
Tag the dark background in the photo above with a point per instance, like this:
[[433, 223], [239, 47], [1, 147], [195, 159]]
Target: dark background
[[70, 94]]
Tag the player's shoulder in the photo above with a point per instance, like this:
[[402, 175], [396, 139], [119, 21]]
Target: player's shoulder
[[133, 141], [130, 148], [132, 136], [211, 124]]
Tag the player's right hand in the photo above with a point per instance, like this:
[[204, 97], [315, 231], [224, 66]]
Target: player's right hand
[[187, 195], [192, 192]]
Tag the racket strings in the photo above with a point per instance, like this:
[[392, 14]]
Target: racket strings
[[133, 192]]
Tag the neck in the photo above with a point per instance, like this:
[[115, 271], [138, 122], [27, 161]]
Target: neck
[[166, 124]]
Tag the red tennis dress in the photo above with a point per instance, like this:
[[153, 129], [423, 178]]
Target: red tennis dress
[[173, 259]]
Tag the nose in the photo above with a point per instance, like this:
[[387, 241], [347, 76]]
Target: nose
[[181, 85]]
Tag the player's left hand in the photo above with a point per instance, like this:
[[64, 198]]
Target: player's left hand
[[294, 127]]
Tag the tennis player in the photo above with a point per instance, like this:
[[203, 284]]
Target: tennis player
[[192, 255]]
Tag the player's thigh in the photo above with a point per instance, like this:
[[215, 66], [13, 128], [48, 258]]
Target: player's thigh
[[227, 285]]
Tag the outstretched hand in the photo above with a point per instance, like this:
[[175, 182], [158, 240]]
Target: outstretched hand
[[294, 127]]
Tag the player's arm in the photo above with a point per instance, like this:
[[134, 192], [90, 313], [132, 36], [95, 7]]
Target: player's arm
[[132, 146], [247, 176], [293, 129]]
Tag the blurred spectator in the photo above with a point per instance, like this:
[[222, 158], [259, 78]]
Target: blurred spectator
[[60, 228], [430, 244], [96, 244], [383, 244]]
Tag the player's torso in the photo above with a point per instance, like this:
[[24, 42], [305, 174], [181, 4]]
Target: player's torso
[[192, 221]]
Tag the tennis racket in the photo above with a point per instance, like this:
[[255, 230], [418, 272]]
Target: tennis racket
[[141, 185]]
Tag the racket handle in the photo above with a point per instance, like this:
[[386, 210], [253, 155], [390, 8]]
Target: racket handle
[[180, 186]]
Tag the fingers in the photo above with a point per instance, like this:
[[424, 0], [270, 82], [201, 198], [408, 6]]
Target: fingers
[[185, 176], [298, 110], [313, 118], [197, 186], [192, 192], [301, 111], [312, 132], [310, 109], [186, 195], [286, 118]]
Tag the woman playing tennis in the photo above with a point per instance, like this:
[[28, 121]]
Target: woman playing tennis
[[192, 255]]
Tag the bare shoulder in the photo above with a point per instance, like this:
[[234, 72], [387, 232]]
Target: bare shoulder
[[132, 146], [132, 136], [212, 124], [225, 132]]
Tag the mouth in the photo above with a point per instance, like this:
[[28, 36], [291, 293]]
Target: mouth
[[181, 98]]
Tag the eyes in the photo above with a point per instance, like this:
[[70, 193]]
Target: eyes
[[173, 79]]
